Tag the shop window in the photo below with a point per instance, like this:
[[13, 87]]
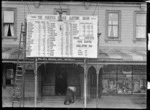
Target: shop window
[[8, 18], [113, 32], [124, 84], [8, 74], [9, 77], [139, 79], [140, 26], [139, 84], [109, 85], [109, 80], [124, 79]]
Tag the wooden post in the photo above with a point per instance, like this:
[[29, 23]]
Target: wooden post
[[23, 85], [85, 82], [35, 76], [97, 69], [97, 74]]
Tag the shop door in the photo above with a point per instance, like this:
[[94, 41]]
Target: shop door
[[92, 85], [60, 81], [92, 82]]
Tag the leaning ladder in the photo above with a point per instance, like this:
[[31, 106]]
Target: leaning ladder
[[18, 93]]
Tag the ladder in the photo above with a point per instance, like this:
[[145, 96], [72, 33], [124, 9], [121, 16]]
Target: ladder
[[18, 90]]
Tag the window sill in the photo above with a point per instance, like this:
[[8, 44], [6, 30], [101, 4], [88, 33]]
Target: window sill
[[139, 40], [118, 40]]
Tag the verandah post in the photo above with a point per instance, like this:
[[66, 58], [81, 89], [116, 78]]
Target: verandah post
[[85, 82], [35, 76], [97, 74]]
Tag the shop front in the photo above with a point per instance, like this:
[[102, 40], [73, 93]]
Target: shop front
[[55, 78], [105, 76]]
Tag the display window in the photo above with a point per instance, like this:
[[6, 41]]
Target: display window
[[124, 85], [9, 77], [124, 79], [109, 86], [139, 83]]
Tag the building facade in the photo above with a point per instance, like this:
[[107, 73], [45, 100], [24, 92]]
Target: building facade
[[121, 64]]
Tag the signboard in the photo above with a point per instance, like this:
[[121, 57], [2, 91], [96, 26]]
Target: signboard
[[74, 37]]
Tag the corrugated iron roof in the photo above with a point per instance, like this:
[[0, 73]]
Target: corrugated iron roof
[[104, 54]]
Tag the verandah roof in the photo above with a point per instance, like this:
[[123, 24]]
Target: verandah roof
[[11, 53]]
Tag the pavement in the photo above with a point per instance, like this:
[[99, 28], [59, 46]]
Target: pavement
[[130, 102]]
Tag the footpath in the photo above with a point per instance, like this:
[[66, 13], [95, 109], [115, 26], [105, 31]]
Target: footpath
[[133, 102]]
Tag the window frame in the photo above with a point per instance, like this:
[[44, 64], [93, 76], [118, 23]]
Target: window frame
[[134, 33], [15, 22], [119, 25]]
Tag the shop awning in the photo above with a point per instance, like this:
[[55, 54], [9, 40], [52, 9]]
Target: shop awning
[[122, 54], [11, 53]]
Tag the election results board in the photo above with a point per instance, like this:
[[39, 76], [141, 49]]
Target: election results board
[[74, 37]]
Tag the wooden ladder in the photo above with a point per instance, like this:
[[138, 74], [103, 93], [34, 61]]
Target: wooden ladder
[[18, 90]]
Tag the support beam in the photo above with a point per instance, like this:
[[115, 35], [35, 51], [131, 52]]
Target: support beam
[[35, 76]]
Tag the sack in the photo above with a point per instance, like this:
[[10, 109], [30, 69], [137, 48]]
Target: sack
[[66, 102]]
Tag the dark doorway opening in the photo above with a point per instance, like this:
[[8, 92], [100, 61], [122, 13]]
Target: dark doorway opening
[[60, 80], [92, 81]]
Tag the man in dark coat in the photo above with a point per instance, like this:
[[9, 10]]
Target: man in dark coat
[[70, 96]]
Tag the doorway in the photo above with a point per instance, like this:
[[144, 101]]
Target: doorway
[[92, 82], [61, 80]]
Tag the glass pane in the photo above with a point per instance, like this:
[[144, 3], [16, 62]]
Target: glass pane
[[124, 84], [9, 73], [139, 83], [140, 32], [141, 19], [8, 16], [109, 86], [8, 29], [12, 29], [105, 86], [113, 18], [112, 31], [138, 72], [109, 70]]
